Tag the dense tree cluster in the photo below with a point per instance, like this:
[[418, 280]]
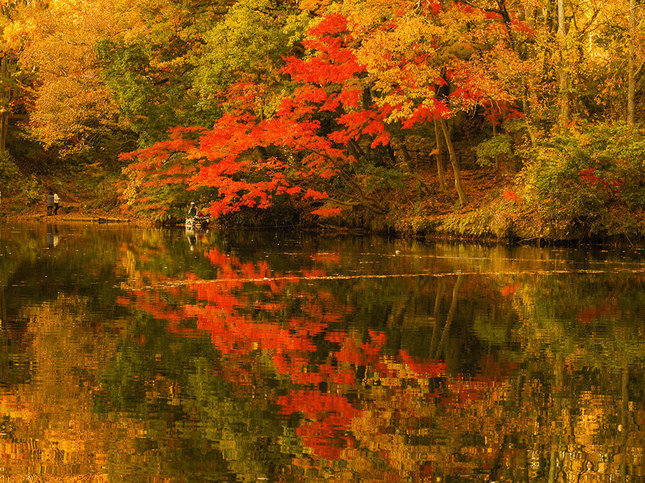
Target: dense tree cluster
[[336, 108]]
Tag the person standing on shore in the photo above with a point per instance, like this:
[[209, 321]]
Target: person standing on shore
[[56, 201], [50, 203]]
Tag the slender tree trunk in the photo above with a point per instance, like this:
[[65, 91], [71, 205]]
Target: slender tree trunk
[[405, 154], [454, 162], [4, 102], [5, 131], [450, 317], [557, 393], [435, 314], [358, 151], [624, 418], [631, 66], [440, 173], [562, 70], [390, 154], [3, 307], [496, 157]]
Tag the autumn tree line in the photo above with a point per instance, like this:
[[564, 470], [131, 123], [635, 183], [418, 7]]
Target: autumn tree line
[[485, 118]]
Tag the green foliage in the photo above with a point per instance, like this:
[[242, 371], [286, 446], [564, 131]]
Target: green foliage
[[151, 98], [383, 178], [621, 150], [570, 182], [489, 150], [9, 172], [30, 191], [247, 46], [151, 70], [25, 190], [553, 184]]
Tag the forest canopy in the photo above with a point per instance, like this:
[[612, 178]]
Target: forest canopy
[[355, 112]]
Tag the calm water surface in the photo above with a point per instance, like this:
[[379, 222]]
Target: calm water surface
[[160, 355]]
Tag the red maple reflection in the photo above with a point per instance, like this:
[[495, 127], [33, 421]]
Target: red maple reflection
[[249, 310]]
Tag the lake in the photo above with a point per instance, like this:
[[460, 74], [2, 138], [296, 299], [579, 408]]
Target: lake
[[133, 354]]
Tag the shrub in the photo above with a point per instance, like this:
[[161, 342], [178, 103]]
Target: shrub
[[9, 173], [489, 151], [570, 182]]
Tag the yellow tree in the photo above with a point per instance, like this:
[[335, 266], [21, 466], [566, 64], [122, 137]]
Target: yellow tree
[[14, 83], [605, 54], [590, 55], [619, 36], [71, 99], [77, 96]]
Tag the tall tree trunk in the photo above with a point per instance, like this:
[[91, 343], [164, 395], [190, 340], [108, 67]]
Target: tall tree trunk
[[454, 162], [562, 68], [624, 418], [5, 131], [496, 157], [3, 307], [440, 174], [557, 393], [631, 66], [4, 104], [435, 314], [449, 318]]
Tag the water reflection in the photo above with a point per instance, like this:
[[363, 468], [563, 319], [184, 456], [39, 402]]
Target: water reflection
[[128, 357], [52, 236]]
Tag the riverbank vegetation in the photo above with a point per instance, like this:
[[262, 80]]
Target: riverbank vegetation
[[484, 118]]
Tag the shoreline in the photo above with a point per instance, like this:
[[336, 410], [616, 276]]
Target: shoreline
[[103, 218]]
